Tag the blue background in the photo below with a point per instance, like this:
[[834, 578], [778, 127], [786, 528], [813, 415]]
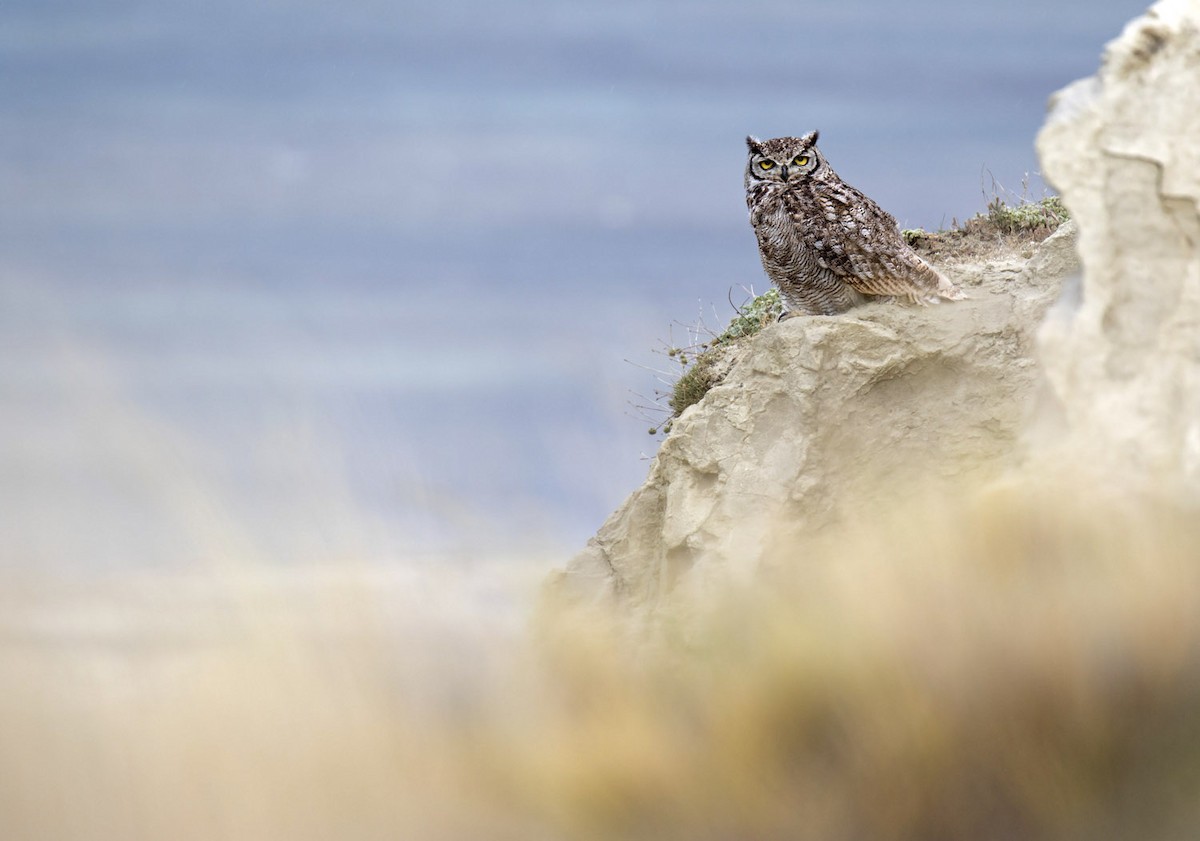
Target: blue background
[[302, 281]]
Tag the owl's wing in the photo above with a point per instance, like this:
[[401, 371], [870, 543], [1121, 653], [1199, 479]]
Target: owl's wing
[[860, 242]]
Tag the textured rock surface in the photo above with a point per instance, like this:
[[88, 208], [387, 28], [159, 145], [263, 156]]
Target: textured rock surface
[[821, 419], [815, 415], [1123, 355]]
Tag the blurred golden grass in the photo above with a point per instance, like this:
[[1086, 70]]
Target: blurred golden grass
[[1020, 662]]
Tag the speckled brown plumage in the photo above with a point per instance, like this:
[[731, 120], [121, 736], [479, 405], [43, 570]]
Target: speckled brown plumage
[[822, 242]]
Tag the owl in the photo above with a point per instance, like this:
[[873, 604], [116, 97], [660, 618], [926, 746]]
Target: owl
[[822, 242]]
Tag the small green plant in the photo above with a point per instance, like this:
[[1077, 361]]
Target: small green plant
[[701, 362], [1008, 223], [694, 383], [1026, 216], [751, 317], [1010, 213]]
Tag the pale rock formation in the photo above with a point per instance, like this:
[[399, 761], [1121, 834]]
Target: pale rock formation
[[821, 420], [815, 416], [1123, 357]]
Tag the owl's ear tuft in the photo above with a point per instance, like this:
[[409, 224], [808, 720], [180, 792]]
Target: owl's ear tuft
[[753, 144], [810, 139]]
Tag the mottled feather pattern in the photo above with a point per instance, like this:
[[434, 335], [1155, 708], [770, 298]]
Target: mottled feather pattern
[[824, 243], [785, 256]]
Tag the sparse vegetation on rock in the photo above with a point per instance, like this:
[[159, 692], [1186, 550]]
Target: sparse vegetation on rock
[[1003, 230], [704, 364], [798, 421], [1004, 227]]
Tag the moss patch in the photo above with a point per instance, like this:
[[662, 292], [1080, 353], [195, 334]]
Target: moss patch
[[752, 316], [694, 383], [704, 365]]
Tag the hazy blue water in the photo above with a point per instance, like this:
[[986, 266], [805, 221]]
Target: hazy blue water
[[311, 279]]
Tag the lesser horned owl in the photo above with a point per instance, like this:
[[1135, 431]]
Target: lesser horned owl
[[822, 242]]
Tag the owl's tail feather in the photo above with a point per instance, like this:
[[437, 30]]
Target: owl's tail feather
[[943, 287], [946, 289]]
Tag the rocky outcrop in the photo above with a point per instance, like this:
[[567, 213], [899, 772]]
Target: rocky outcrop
[[1123, 353], [823, 420], [816, 415]]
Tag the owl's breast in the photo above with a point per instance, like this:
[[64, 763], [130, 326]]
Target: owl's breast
[[781, 243]]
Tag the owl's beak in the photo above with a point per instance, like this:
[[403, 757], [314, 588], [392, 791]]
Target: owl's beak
[[783, 172]]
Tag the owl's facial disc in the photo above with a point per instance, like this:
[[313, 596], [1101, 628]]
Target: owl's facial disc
[[784, 165]]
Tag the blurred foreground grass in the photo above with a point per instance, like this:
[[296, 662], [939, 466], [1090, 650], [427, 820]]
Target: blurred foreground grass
[[1020, 663]]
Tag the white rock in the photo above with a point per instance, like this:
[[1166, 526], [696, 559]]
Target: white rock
[[821, 420], [1123, 149], [814, 417]]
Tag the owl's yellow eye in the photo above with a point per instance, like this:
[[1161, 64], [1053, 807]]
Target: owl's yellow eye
[[800, 160], [766, 164]]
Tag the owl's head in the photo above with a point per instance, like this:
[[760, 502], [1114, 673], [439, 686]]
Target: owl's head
[[782, 158]]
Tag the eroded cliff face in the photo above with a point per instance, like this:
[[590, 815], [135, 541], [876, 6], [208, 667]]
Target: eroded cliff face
[[819, 418], [822, 421], [1123, 355]]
